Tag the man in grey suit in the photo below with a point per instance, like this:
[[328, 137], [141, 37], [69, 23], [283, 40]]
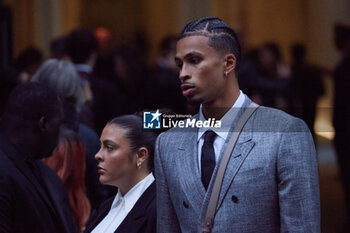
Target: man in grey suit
[[271, 181]]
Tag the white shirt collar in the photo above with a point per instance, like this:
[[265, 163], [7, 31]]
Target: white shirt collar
[[131, 197], [226, 120]]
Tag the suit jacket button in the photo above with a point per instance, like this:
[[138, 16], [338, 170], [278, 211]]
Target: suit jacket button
[[185, 205], [234, 199]]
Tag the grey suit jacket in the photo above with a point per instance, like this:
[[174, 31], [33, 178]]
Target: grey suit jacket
[[270, 184]]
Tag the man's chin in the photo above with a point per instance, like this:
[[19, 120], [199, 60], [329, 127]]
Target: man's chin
[[48, 153], [194, 101]]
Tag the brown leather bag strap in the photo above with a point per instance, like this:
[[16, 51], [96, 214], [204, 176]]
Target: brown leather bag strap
[[207, 225]]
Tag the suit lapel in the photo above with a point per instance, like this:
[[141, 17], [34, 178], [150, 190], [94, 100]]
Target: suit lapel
[[137, 216], [55, 197], [243, 146], [187, 165], [237, 159], [41, 190]]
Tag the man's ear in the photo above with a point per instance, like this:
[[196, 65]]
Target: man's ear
[[230, 63], [42, 123]]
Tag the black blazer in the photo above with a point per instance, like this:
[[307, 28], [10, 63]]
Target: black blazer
[[25, 204], [141, 219]]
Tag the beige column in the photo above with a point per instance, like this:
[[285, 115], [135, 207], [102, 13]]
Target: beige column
[[37, 22], [274, 20], [70, 15], [193, 9], [49, 26], [231, 11], [159, 19], [321, 18], [25, 24]]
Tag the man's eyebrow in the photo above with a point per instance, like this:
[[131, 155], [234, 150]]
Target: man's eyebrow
[[191, 54], [188, 55]]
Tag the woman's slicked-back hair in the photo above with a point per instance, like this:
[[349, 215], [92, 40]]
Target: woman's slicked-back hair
[[221, 36], [136, 135]]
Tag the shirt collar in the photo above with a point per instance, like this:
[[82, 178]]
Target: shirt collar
[[226, 120], [131, 197], [83, 68]]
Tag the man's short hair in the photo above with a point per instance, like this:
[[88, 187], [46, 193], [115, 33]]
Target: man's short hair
[[80, 44], [30, 101], [221, 36]]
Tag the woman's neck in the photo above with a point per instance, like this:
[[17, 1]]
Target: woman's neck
[[125, 188]]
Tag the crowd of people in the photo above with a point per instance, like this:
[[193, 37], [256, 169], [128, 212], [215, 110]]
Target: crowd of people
[[78, 113]]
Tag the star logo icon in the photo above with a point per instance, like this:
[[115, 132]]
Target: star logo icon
[[156, 115]]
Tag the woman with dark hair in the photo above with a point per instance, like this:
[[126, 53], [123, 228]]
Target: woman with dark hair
[[125, 160]]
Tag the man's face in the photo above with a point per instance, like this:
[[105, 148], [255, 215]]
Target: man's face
[[51, 135], [201, 70]]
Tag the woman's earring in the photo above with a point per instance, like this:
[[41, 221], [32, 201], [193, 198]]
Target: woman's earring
[[138, 164], [226, 73]]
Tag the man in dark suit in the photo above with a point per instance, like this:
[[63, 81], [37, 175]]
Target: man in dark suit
[[32, 197]]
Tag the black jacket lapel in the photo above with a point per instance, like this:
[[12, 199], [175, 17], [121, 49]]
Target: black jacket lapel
[[137, 216], [133, 221], [58, 196]]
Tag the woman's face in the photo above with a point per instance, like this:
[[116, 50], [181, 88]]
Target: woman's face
[[116, 164]]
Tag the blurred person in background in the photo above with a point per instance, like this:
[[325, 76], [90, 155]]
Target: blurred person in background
[[68, 161], [131, 77], [25, 65], [62, 76], [307, 84], [164, 86], [81, 47], [58, 48], [126, 161], [341, 113], [248, 75], [9, 79], [28, 62], [104, 62], [274, 76]]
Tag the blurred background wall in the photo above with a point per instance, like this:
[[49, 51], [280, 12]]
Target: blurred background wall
[[37, 22]]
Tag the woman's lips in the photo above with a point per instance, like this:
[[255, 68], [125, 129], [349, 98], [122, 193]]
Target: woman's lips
[[100, 170], [187, 89]]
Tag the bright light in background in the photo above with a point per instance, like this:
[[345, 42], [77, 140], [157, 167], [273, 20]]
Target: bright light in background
[[323, 123]]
